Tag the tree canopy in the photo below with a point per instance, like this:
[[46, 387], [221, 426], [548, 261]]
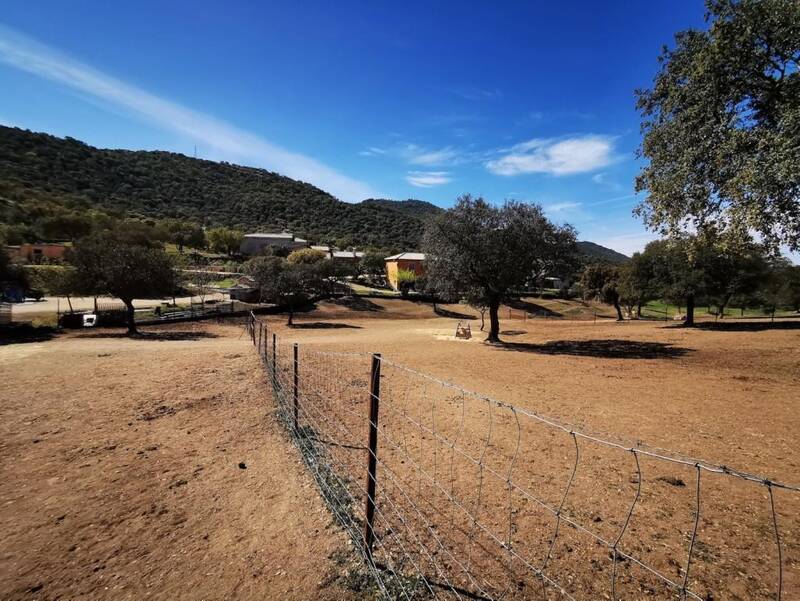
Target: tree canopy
[[721, 123], [108, 265], [493, 249]]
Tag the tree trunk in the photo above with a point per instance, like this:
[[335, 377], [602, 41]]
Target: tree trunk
[[689, 310], [619, 310], [639, 310], [130, 317], [95, 304], [291, 316], [69, 302], [494, 321], [483, 319], [722, 306]]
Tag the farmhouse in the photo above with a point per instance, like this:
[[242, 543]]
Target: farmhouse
[[252, 244], [36, 253], [341, 256], [414, 262]]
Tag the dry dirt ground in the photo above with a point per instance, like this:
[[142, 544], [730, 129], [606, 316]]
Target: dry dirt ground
[[725, 393], [119, 457], [153, 469]]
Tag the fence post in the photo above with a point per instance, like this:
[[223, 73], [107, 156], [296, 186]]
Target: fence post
[[295, 387], [274, 357], [372, 458]]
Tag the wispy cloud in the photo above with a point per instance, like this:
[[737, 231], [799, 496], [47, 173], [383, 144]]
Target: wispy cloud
[[473, 93], [234, 144], [442, 156], [428, 179], [372, 151], [555, 156], [560, 208], [414, 154]]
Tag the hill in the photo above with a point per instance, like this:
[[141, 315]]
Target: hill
[[39, 169], [42, 175], [596, 253]]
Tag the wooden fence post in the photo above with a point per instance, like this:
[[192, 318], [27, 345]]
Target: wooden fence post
[[372, 458], [295, 386]]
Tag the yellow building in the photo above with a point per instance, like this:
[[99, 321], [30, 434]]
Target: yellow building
[[414, 262]]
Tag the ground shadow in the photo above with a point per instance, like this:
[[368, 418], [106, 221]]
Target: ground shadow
[[512, 332], [22, 333], [156, 336], [356, 303], [523, 305], [442, 312], [741, 326], [323, 325], [608, 349]]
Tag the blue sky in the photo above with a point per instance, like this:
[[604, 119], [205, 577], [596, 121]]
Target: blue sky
[[530, 100]]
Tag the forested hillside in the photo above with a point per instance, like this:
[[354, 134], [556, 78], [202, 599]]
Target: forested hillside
[[39, 172], [45, 177]]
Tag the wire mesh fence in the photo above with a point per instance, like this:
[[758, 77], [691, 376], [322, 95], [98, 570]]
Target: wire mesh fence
[[451, 494]]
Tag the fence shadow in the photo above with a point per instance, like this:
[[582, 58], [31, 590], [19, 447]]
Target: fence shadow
[[155, 336], [356, 303], [607, 349], [744, 326], [323, 325], [442, 312], [523, 305]]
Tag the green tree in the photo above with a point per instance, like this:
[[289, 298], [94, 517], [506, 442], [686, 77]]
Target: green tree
[[780, 286], [683, 270], [636, 283], [495, 250], [104, 264], [373, 264], [406, 280], [224, 240], [305, 256], [734, 270], [721, 123], [287, 285], [184, 233], [601, 281], [64, 226]]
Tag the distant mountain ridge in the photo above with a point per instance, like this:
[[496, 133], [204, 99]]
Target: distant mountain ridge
[[595, 252], [38, 169]]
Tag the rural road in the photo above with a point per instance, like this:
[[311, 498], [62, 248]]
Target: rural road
[[51, 304]]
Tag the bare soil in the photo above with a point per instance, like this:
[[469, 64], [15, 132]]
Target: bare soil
[[120, 474], [726, 393], [153, 468]]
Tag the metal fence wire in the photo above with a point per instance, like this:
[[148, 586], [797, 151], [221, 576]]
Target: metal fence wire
[[450, 494]]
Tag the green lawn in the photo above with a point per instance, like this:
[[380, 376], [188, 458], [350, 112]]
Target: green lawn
[[657, 309]]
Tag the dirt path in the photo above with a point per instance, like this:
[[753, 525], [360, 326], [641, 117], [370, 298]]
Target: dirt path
[[137, 469]]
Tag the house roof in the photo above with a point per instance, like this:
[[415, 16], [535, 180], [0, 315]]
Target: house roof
[[262, 235], [406, 257], [347, 254], [321, 248]]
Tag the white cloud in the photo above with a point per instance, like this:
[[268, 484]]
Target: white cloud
[[428, 179], [372, 151], [234, 144], [555, 156], [420, 156], [561, 207]]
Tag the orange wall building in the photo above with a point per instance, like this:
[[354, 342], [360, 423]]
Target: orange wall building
[[34, 253], [406, 261]]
